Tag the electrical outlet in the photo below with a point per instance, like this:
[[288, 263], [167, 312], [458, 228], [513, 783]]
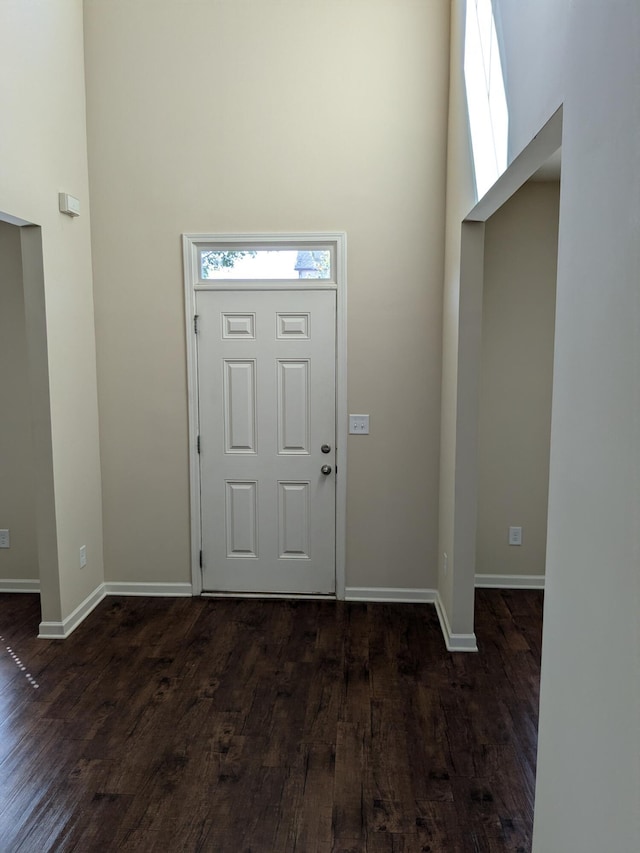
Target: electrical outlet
[[445, 563], [5, 539], [83, 556], [358, 424], [515, 536]]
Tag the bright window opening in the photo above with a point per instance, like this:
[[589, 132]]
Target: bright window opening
[[486, 99], [265, 264]]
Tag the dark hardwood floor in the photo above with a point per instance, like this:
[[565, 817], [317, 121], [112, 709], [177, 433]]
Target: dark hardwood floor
[[246, 725]]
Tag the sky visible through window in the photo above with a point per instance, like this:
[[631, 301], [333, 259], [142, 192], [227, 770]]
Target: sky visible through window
[[486, 99]]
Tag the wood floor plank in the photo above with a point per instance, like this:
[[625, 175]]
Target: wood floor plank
[[348, 805], [313, 807], [255, 726]]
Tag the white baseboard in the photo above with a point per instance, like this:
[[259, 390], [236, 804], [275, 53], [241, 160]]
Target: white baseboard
[[510, 581], [170, 590], [454, 642], [392, 595], [19, 585], [61, 630]]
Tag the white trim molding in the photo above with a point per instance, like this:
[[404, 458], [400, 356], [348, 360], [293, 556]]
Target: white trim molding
[[454, 642], [391, 595], [61, 630], [510, 581], [19, 585], [398, 595], [168, 590]]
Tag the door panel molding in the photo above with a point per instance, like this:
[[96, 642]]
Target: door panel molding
[[293, 407], [288, 326]]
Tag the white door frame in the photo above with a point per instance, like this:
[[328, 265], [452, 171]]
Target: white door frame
[[192, 244]]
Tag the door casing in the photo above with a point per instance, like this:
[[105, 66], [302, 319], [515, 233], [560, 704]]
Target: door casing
[[192, 245]]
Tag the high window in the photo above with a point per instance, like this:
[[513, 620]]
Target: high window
[[486, 99]]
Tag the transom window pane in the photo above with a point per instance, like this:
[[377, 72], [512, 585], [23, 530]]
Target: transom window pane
[[256, 264]]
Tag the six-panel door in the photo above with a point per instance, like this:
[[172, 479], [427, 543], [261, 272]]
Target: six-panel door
[[266, 387]]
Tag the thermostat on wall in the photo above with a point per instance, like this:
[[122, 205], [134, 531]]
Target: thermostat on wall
[[69, 204]]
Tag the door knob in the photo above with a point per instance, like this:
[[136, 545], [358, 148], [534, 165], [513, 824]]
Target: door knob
[[326, 469], [326, 448]]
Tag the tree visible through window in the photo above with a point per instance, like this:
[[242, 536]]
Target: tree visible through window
[[216, 261]]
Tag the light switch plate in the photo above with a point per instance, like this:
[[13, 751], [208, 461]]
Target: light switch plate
[[5, 539], [358, 424]]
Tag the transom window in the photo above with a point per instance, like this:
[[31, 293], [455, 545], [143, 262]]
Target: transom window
[[265, 264], [314, 260]]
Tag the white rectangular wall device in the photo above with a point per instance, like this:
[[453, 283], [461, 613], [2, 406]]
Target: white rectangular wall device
[[359, 424], [69, 204], [515, 536]]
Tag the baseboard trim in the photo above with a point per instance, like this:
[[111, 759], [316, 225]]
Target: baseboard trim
[[61, 630], [510, 581], [397, 595], [454, 642], [19, 585], [168, 590], [391, 595]]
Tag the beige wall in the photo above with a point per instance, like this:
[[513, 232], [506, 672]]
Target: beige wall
[[17, 490], [43, 151], [518, 317], [586, 57], [280, 116]]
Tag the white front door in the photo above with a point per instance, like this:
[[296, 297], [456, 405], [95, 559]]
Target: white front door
[[266, 389]]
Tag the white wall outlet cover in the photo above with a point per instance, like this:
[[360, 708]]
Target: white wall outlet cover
[[5, 539], [358, 424], [83, 556], [515, 536]]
